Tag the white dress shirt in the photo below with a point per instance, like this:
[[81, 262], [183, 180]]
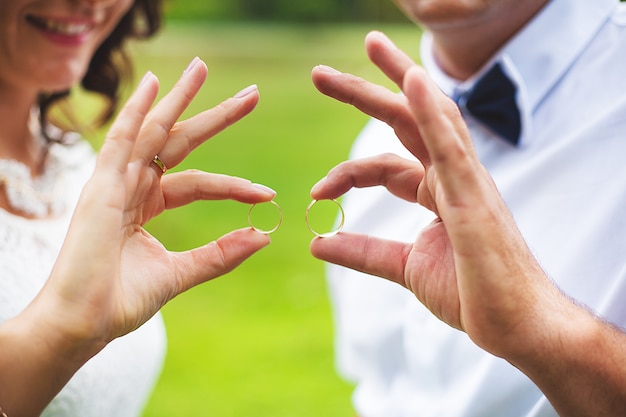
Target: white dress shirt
[[565, 183]]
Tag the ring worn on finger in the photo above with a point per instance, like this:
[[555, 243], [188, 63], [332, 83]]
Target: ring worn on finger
[[160, 164]]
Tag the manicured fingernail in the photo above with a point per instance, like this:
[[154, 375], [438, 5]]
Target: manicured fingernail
[[264, 188], [246, 91], [192, 64], [145, 78], [328, 69]]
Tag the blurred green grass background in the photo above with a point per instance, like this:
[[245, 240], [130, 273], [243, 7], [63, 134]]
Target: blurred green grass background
[[259, 341]]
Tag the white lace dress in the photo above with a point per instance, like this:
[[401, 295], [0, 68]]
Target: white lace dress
[[117, 381]]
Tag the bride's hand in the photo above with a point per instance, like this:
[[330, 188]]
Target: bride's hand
[[111, 270], [111, 275]]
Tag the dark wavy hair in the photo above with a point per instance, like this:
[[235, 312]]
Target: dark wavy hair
[[110, 64]]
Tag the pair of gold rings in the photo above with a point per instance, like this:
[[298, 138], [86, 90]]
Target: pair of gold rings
[[161, 165], [306, 218]]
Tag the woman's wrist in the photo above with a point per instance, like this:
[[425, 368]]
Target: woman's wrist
[[36, 360], [58, 329]]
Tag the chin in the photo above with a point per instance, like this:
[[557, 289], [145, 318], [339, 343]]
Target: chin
[[65, 80], [446, 13], [54, 88]]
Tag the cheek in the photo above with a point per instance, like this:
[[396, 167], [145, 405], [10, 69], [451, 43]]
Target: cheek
[[8, 39], [116, 13], [60, 75], [119, 10]]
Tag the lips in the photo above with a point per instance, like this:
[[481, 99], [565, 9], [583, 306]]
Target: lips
[[60, 27]]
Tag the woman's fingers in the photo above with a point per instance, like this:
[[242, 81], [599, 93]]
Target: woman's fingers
[[400, 176], [374, 256], [120, 141], [166, 112], [185, 187], [188, 134], [218, 257]]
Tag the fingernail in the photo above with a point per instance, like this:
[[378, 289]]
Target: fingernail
[[192, 64], [383, 38], [264, 188], [145, 78], [317, 185], [246, 91], [326, 68]]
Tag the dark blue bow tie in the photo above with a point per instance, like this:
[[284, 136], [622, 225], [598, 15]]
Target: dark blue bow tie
[[492, 102]]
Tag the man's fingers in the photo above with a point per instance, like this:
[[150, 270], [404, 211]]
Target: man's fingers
[[391, 60], [444, 134], [373, 100], [374, 256], [400, 176]]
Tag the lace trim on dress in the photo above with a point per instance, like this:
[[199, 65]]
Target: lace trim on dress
[[41, 196], [38, 197]]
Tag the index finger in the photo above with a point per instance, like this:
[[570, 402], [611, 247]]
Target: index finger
[[373, 100]]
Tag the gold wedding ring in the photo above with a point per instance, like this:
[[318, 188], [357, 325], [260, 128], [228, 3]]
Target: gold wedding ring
[[272, 230], [332, 232], [157, 161]]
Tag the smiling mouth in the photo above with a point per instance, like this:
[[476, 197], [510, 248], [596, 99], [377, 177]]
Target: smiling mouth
[[58, 27]]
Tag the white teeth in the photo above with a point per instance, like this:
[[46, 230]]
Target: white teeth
[[66, 28]]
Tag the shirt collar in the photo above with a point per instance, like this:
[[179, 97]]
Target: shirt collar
[[538, 56]]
